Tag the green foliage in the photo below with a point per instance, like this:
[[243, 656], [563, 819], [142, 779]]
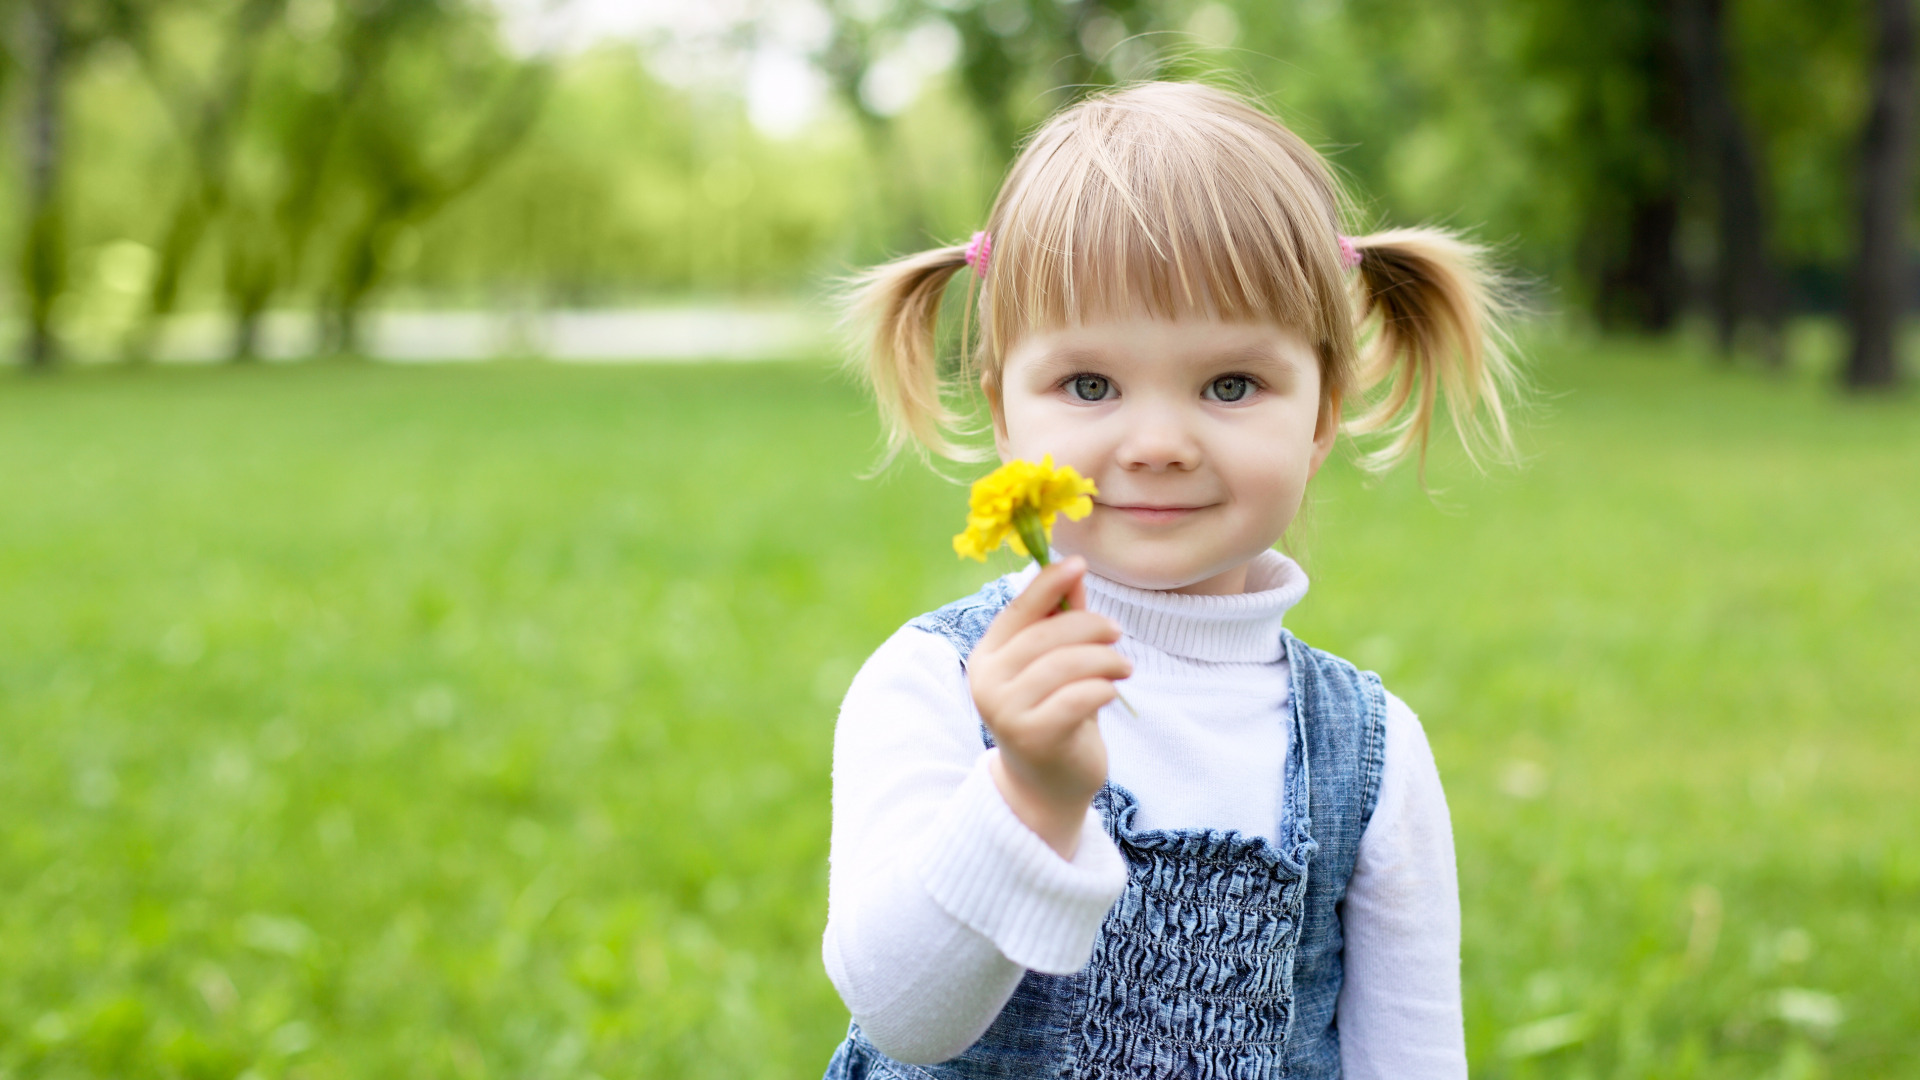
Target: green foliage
[[364, 721], [303, 139], [627, 187], [431, 108], [319, 153], [1803, 74]]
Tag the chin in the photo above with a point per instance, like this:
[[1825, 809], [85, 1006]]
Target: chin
[[1158, 578]]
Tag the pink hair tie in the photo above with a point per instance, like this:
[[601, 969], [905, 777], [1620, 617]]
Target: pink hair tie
[[979, 250], [1349, 254]]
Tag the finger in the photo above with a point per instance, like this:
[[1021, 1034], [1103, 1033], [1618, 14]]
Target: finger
[[1038, 600], [1073, 704], [1060, 631], [1043, 733], [1062, 667], [1077, 594]]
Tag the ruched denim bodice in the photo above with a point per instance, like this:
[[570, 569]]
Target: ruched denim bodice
[[1221, 959]]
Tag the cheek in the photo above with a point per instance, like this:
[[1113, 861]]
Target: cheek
[[1269, 467], [1038, 426], [1024, 419], [1275, 487]]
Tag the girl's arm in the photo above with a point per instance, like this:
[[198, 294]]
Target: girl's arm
[[939, 898], [1399, 1010]]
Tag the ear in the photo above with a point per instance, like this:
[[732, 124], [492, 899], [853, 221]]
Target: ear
[[990, 387], [1325, 428]]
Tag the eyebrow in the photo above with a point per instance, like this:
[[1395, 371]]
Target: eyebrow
[[1258, 355], [1252, 355], [1070, 358]]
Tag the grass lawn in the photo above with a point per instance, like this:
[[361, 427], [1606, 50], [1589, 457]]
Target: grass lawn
[[474, 722]]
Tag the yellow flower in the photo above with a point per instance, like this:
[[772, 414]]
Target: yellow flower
[[1016, 505]]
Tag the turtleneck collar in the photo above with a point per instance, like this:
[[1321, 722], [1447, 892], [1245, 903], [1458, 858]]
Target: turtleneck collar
[[1235, 628]]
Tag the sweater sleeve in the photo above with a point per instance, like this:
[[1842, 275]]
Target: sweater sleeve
[[1399, 1011], [939, 898]]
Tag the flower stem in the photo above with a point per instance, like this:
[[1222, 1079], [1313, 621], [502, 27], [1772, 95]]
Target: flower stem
[[1033, 536]]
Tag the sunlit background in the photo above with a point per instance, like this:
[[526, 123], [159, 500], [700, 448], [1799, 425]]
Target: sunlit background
[[435, 534]]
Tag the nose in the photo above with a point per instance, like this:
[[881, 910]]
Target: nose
[[1157, 441]]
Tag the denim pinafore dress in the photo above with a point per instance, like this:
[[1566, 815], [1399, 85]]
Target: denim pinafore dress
[[1221, 960]]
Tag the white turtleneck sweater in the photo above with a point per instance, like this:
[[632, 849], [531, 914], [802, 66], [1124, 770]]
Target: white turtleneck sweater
[[940, 899]]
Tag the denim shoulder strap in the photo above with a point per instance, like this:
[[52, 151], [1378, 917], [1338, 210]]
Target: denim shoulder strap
[[964, 622], [1343, 715]]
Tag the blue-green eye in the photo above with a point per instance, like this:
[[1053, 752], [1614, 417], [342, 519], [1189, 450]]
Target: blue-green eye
[[1229, 388], [1091, 387]]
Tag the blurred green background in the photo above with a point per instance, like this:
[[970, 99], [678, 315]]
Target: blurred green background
[[364, 719]]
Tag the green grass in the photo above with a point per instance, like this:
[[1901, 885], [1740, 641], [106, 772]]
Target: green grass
[[367, 721]]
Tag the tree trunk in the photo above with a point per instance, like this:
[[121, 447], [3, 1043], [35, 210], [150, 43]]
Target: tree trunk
[[177, 244], [44, 256], [1631, 202], [246, 329], [1746, 286], [1642, 291], [251, 282], [1886, 177]]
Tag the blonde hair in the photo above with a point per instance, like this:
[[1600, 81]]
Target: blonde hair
[[1191, 202]]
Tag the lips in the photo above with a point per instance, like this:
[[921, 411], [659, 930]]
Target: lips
[[1155, 515]]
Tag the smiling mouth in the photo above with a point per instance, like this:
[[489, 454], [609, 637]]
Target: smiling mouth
[[1155, 515]]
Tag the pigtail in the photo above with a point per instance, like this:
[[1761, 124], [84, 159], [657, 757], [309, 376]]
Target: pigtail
[[897, 305], [1433, 313]]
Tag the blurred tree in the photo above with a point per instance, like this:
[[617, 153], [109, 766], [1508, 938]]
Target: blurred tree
[[439, 107], [860, 33], [1617, 145], [1019, 60], [46, 43], [275, 201], [1642, 155], [288, 192], [630, 187], [50, 38], [1646, 143], [1803, 87], [1022, 59], [207, 113], [278, 199], [849, 55], [1882, 272], [347, 119], [1746, 283]]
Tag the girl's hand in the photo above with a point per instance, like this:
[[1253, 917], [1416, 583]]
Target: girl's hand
[[1038, 676]]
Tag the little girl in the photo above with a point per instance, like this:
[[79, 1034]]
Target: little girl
[[1249, 872]]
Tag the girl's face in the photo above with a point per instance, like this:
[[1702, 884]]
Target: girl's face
[[1200, 434]]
